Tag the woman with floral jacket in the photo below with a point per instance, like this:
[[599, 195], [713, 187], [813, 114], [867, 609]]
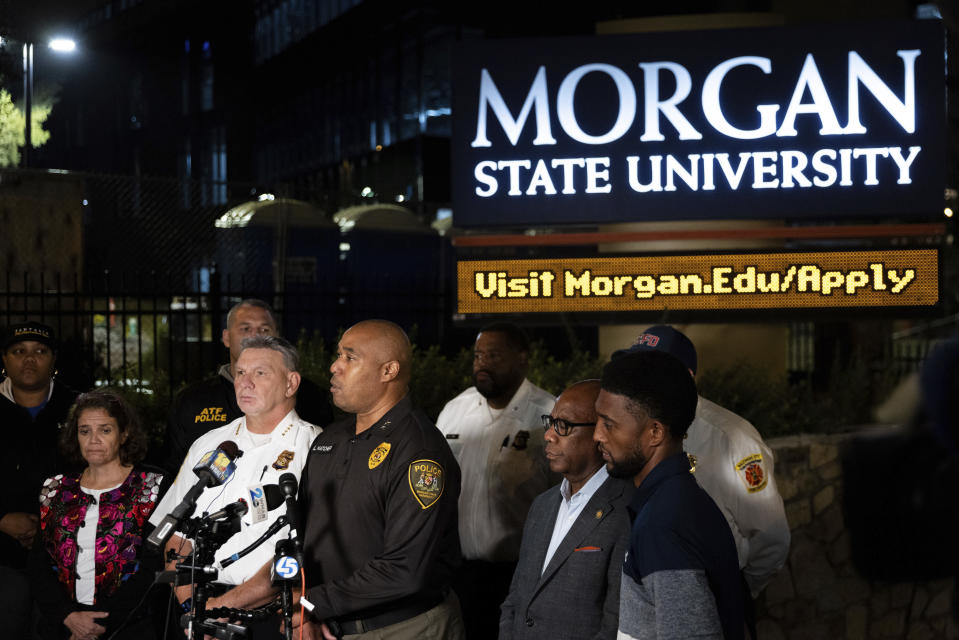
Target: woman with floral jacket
[[89, 571]]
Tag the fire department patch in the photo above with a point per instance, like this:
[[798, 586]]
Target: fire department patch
[[752, 472], [379, 455], [427, 480], [283, 461]]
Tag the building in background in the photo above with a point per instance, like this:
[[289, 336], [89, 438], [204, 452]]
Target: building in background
[[177, 111]]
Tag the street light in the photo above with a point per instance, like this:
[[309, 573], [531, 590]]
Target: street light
[[60, 45], [63, 45]]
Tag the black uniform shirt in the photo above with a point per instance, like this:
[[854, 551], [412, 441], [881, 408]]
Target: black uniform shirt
[[211, 403], [380, 513]]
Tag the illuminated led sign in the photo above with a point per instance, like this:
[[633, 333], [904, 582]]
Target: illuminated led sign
[[756, 123], [907, 278]]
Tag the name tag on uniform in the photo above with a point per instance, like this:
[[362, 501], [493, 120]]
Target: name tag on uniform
[[323, 448], [452, 436]]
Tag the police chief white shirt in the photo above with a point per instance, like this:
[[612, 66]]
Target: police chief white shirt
[[503, 467], [265, 457], [735, 467]]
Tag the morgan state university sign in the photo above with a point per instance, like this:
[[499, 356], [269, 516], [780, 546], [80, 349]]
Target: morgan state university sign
[[819, 122]]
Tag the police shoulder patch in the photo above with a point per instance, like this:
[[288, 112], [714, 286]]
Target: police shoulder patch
[[379, 455], [752, 472], [427, 481]]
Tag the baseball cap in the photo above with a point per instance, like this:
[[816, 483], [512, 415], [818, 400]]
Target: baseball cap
[[29, 331], [664, 338]]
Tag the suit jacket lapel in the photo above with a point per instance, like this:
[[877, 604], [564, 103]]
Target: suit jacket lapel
[[585, 523], [544, 523]]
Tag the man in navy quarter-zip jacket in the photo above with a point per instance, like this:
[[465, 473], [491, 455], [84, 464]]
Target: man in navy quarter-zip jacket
[[681, 576]]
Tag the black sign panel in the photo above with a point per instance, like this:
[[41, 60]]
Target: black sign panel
[[826, 121]]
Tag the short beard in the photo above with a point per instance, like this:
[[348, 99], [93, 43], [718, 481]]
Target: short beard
[[628, 468], [489, 388]]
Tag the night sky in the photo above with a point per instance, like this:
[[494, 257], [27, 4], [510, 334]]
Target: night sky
[[41, 19]]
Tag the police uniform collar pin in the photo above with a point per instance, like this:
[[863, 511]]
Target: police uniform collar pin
[[386, 423]]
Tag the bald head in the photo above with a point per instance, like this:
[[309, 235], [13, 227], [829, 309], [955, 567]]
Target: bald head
[[388, 342], [580, 400], [371, 372]]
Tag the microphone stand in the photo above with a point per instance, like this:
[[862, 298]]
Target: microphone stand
[[286, 573], [207, 536]]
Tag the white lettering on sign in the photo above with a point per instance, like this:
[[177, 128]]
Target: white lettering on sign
[[656, 107], [787, 169]]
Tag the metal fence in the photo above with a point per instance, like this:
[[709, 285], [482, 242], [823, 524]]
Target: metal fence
[[160, 332], [137, 277]]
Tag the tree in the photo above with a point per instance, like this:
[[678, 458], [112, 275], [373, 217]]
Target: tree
[[12, 125]]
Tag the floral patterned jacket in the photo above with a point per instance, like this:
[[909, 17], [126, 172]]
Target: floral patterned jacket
[[123, 513]]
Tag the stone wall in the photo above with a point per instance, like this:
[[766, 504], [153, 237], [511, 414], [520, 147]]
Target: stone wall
[[819, 594]]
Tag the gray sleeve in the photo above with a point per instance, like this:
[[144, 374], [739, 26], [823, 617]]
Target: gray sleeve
[[683, 605]]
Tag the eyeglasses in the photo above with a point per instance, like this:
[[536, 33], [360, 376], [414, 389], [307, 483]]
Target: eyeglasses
[[562, 427]]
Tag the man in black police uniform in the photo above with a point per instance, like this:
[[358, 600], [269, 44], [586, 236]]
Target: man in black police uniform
[[379, 498], [211, 403]]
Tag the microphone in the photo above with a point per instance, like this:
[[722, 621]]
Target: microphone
[[288, 485], [264, 498], [218, 464], [232, 510], [213, 469]]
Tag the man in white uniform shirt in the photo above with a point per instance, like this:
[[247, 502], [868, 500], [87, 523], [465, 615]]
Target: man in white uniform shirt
[[494, 430], [735, 467], [274, 441]]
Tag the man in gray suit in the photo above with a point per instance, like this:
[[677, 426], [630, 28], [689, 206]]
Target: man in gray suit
[[566, 583]]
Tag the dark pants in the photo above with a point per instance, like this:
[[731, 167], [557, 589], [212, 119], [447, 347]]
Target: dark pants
[[482, 586], [15, 603], [749, 612]]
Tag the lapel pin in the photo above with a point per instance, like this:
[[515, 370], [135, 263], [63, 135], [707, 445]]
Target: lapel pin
[[599, 514]]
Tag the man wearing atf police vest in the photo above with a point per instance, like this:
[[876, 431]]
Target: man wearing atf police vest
[[211, 403], [379, 501]]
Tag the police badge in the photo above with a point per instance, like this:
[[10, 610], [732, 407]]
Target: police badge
[[379, 455], [283, 461]]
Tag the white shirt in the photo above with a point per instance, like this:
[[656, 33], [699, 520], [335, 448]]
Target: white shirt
[[86, 585], [503, 467], [570, 507], [258, 465], [735, 467]]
